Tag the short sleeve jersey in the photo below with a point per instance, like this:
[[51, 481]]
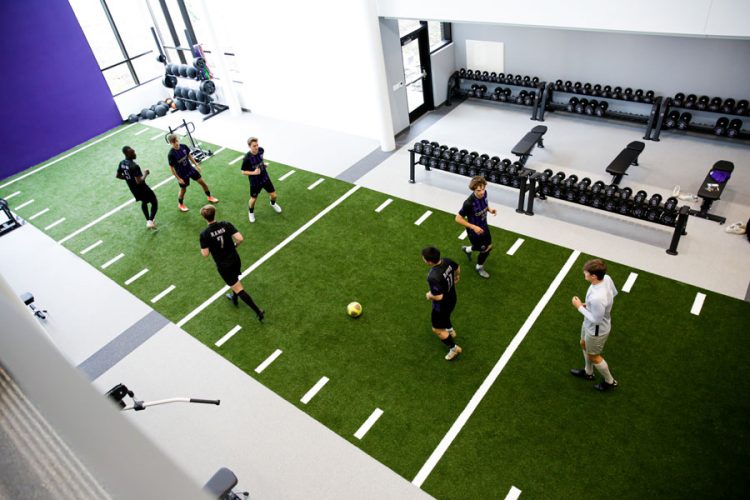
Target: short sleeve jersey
[[179, 159], [217, 237], [597, 316], [130, 171], [252, 162], [441, 280], [475, 210]]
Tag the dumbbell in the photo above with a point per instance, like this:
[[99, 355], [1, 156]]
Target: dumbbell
[[735, 126], [684, 122], [690, 101], [419, 146], [535, 81], [558, 85], [715, 104], [671, 204], [591, 107], [741, 108], [597, 90], [672, 118], [446, 153], [502, 94], [625, 203], [485, 76], [702, 102], [638, 95], [601, 110], [443, 165], [470, 73], [500, 78], [572, 103], [649, 96], [607, 91], [482, 90], [721, 126], [527, 81], [639, 210], [568, 86], [462, 73], [529, 100], [611, 195], [627, 94], [679, 99], [581, 106], [584, 196], [509, 78], [728, 105], [669, 215], [577, 87], [521, 97], [617, 93], [587, 88], [518, 80], [598, 188]]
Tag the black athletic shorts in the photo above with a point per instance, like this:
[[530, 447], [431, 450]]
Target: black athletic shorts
[[255, 189], [195, 175], [479, 242], [145, 194], [230, 273], [441, 318]]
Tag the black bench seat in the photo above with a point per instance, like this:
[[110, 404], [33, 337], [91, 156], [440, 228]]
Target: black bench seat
[[712, 187], [627, 157], [531, 139]]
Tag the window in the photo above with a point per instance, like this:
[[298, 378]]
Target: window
[[440, 35], [406, 26]]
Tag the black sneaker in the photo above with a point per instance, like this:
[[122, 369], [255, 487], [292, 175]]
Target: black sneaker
[[604, 386], [467, 251], [581, 373], [261, 315], [234, 298]]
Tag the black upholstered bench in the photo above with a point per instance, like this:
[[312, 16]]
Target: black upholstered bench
[[711, 189], [526, 145], [627, 157]]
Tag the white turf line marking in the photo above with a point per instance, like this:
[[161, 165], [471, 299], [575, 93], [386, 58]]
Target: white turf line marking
[[368, 423], [629, 283], [314, 390], [423, 218], [516, 246], [270, 359], [463, 235], [160, 134], [58, 221], [142, 131], [698, 303], [236, 160], [113, 211], [228, 336], [91, 247], [219, 151], [112, 261], [66, 156], [136, 276], [38, 214], [286, 175], [438, 453], [12, 195], [162, 294], [19, 207], [267, 256], [383, 205], [513, 494], [314, 184]]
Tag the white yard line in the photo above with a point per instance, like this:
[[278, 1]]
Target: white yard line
[[136, 276], [39, 214], [494, 373], [160, 134], [142, 131], [286, 175], [314, 390], [513, 494], [268, 255], [236, 160], [112, 261], [629, 283], [228, 336], [162, 294], [91, 247], [66, 156], [463, 235], [512, 250], [698, 303], [218, 151], [58, 221], [270, 359], [368, 423], [19, 207], [11, 195], [314, 184], [423, 218], [383, 205]]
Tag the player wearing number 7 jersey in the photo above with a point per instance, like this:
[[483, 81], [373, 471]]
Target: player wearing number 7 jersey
[[221, 239], [442, 279]]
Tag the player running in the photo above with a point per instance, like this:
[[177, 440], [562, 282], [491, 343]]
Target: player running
[[130, 172], [475, 209], [442, 279], [255, 168], [180, 159]]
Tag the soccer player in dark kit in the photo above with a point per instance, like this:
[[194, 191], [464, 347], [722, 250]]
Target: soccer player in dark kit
[[129, 171], [475, 209], [442, 279], [221, 239], [184, 167], [254, 167]]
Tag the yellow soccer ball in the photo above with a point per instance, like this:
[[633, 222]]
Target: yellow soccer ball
[[354, 309]]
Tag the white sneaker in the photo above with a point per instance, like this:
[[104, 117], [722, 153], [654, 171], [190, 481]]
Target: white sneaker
[[455, 351], [276, 208], [737, 228], [481, 272], [251, 216], [676, 190], [150, 224], [688, 197]]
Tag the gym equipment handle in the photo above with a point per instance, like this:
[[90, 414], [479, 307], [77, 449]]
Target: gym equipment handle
[[216, 402]]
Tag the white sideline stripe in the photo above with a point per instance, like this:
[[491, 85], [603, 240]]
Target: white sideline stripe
[[112, 261], [113, 211], [228, 336], [160, 134], [162, 294], [58, 221], [19, 207], [513, 494], [270, 359], [136, 276], [368, 423], [516, 246], [698, 303], [267, 256], [314, 184], [142, 131], [314, 390], [423, 218], [629, 282], [12, 195], [286, 175], [383, 205], [66, 156], [91, 247], [219, 151], [463, 235], [494, 373], [236, 160], [38, 214]]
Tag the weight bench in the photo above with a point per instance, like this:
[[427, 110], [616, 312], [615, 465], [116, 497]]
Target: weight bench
[[711, 189], [525, 145], [627, 157]]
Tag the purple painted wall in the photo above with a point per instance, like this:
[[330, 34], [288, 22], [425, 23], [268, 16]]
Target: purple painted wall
[[54, 96]]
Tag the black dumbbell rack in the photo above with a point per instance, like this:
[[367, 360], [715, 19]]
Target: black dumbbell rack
[[648, 117], [701, 128], [460, 86]]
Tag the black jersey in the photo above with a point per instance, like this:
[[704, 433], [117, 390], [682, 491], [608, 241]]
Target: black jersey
[[475, 209], [179, 159], [217, 237], [130, 171], [441, 280], [251, 162]]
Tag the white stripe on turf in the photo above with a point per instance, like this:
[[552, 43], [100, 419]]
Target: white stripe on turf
[[463, 235], [314, 390], [142, 131], [236, 160], [112, 261], [162, 294], [286, 175], [423, 218], [270, 359], [219, 151], [629, 283], [136, 276], [228, 336], [58, 221], [383, 205], [698, 303], [442, 447], [516, 246], [368, 423], [160, 134], [39, 214], [19, 207], [66, 156], [513, 494], [314, 184], [12, 195], [91, 247], [267, 256]]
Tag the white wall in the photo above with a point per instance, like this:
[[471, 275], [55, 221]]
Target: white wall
[[443, 64], [143, 96], [394, 69]]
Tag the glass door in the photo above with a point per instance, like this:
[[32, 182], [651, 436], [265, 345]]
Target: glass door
[[415, 51]]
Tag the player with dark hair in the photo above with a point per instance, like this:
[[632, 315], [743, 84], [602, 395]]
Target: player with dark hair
[[597, 322], [255, 168], [184, 167], [473, 216], [130, 172], [442, 279], [221, 239]]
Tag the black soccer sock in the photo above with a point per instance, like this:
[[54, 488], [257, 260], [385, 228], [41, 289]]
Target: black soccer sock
[[273, 202], [249, 301], [180, 200], [154, 208], [144, 207], [251, 209], [483, 257], [208, 193], [448, 341]]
